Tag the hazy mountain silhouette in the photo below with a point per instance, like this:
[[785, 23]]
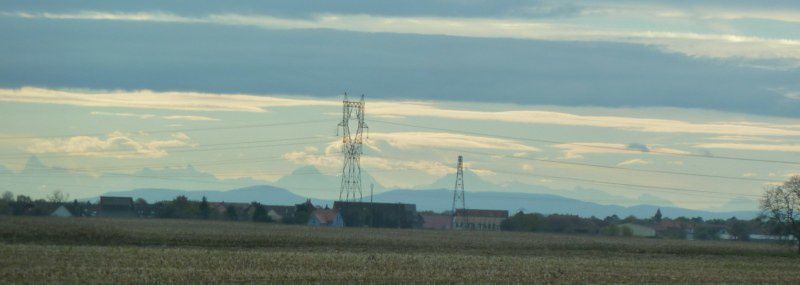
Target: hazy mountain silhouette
[[474, 183], [308, 179], [441, 200], [264, 194], [38, 179]]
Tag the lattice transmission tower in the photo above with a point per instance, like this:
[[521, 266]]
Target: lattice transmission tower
[[352, 140], [458, 191]]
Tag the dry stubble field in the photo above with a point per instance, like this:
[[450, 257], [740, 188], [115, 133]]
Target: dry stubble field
[[52, 250]]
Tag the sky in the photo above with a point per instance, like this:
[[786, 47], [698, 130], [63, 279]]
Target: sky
[[698, 100]]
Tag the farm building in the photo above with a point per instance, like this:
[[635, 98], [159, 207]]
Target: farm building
[[437, 221], [639, 230], [61, 211], [326, 218], [116, 207], [383, 215], [484, 220]]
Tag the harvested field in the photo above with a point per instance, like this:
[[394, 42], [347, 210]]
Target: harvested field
[[50, 250]]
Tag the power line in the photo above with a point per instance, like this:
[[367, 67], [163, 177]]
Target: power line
[[612, 167], [178, 130], [592, 146], [179, 150], [202, 163], [677, 189], [654, 187]]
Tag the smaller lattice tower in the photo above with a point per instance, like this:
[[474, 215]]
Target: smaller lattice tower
[[458, 191]]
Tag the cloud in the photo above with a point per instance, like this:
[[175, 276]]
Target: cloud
[[418, 109], [734, 138], [311, 157], [408, 140], [333, 162], [483, 172], [151, 116], [794, 95], [639, 147], [190, 118], [434, 168], [115, 144], [689, 43], [752, 147], [147, 99], [696, 13], [633, 161], [527, 167], [140, 116], [197, 101], [577, 150]]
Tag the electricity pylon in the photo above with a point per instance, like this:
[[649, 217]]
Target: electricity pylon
[[352, 149], [458, 191]]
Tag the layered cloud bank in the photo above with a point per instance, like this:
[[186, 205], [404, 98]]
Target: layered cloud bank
[[115, 144], [213, 102], [689, 43], [146, 99]]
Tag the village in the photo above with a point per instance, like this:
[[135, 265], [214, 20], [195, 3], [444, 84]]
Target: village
[[395, 215]]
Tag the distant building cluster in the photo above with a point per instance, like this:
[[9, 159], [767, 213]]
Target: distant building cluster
[[342, 214], [398, 215], [484, 220]]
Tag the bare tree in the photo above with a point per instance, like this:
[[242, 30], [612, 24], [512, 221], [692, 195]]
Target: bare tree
[[57, 197], [7, 196], [781, 204]]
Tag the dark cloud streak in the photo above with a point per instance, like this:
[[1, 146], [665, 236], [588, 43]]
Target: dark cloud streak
[[231, 59]]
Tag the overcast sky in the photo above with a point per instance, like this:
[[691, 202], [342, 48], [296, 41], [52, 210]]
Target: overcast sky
[[510, 84]]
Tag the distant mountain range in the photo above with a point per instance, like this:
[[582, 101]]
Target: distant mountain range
[[161, 184], [38, 180], [440, 200], [264, 194]]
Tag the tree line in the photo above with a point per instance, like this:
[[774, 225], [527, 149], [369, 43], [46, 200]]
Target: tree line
[[678, 228], [178, 208]]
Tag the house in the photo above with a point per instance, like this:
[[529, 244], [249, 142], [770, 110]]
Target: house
[[61, 211], [383, 215], [639, 230], [437, 221], [326, 218], [482, 220], [280, 213], [119, 207]]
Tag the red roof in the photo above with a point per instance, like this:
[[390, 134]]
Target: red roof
[[482, 213]]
